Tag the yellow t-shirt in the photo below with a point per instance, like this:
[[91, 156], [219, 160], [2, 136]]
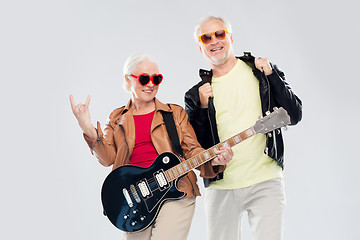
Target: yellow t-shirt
[[238, 106]]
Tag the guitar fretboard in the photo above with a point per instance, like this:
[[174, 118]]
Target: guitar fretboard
[[203, 157]]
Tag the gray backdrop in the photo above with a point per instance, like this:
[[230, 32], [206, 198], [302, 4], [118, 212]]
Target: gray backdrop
[[50, 183]]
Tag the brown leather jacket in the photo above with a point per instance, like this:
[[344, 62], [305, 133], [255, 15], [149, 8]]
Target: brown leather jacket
[[115, 145]]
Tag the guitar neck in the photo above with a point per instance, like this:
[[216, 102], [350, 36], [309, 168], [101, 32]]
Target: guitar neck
[[203, 157]]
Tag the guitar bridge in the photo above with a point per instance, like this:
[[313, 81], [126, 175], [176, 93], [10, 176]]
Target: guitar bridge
[[128, 198]]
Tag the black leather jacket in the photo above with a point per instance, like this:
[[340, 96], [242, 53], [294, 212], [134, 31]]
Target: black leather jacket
[[274, 92]]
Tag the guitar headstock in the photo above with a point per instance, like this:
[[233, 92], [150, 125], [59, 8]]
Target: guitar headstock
[[277, 119]]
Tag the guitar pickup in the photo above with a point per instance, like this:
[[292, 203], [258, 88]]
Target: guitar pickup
[[144, 189], [161, 180]]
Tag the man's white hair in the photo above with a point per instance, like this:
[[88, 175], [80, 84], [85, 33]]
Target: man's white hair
[[132, 62], [206, 19]]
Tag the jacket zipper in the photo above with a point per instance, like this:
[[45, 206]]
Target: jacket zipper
[[268, 84], [127, 145]]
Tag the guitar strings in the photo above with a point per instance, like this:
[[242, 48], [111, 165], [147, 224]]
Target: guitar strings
[[178, 171]]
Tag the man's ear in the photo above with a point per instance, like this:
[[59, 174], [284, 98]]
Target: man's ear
[[231, 39], [200, 48]]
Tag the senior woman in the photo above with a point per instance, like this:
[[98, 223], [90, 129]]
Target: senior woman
[[136, 134]]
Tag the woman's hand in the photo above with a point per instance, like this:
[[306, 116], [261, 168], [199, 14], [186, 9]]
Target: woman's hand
[[82, 114]]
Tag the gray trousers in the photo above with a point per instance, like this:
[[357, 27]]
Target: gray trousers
[[264, 202], [173, 222]]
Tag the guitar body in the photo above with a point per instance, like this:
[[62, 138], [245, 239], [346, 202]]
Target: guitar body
[[132, 196]]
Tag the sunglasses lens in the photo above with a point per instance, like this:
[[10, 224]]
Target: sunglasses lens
[[206, 38], [220, 34], [157, 79], [144, 79]]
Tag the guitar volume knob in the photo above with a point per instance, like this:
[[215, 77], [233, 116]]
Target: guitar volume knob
[[142, 218], [166, 160], [126, 216], [135, 211], [133, 223]]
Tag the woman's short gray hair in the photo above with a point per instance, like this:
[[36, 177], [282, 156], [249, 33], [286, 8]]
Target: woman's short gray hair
[[206, 19], [131, 63]]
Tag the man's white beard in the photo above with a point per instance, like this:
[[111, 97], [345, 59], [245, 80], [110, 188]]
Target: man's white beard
[[221, 60], [217, 62]]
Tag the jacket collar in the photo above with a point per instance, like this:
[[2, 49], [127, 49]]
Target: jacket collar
[[157, 120], [159, 106], [206, 75]]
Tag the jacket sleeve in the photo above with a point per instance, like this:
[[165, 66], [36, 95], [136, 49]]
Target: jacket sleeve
[[104, 146], [284, 95], [191, 146]]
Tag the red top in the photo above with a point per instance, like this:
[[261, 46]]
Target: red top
[[144, 152]]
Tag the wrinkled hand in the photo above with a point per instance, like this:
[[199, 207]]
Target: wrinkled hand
[[82, 114], [263, 65], [224, 155], [205, 91]]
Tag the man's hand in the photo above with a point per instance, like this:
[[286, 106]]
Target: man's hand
[[224, 155], [205, 91], [263, 65], [82, 114]]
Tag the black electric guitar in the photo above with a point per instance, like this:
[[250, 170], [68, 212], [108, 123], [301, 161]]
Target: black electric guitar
[[132, 196]]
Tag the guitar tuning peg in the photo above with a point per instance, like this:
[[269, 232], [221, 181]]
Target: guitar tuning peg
[[267, 113], [275, 108], [260, 117]]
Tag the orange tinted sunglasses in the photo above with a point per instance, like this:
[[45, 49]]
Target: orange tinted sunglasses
[[219, 35]]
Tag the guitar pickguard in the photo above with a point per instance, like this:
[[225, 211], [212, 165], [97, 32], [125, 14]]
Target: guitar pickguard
[[132, 196], [157, 198]]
